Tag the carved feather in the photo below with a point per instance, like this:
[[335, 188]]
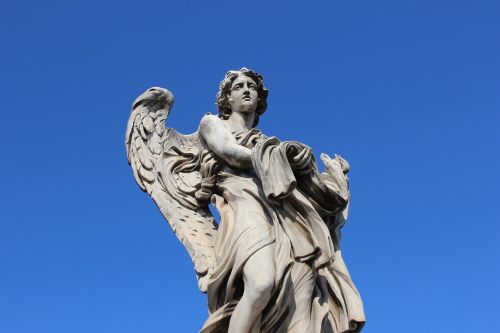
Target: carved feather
[[166, 165]]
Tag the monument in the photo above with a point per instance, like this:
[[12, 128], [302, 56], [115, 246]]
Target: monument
[[273, 262]]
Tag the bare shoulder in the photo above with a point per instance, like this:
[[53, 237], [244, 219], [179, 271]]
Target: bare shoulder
[[209, 120], [211, 124]]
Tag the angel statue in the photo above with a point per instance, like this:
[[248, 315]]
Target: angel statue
[[273, 262]]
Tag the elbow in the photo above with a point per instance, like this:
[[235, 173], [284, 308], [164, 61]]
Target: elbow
[[239, 158]]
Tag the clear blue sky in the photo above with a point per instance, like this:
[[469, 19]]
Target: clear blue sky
[[407, 91]]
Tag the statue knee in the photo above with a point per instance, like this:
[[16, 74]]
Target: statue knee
[[259, 289]]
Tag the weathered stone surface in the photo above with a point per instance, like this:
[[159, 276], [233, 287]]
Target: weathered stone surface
[[273, 263]]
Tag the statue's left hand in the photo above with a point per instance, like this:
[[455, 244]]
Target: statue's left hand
[[335, 163]]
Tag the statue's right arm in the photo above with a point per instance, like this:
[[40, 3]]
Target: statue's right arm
[[223, 144]]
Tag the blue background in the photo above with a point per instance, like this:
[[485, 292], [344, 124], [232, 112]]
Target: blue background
[[407, 91]]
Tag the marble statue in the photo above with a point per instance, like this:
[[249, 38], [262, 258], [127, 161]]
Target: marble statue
[[273, 262]]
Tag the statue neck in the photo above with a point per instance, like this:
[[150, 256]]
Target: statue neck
[[241, 121]]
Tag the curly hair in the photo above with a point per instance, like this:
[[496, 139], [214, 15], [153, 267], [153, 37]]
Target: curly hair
[[225, 91]]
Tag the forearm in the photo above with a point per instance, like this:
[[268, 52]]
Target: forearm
[[235, 155]]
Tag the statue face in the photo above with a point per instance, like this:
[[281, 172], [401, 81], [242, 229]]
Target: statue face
[[244, 96]]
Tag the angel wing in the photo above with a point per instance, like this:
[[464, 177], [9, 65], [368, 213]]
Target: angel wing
[[166, 165]]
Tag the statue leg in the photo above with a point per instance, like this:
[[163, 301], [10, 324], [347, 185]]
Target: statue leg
[[258, 277]]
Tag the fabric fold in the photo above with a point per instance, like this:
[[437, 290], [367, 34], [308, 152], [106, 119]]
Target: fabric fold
[[273, 206]]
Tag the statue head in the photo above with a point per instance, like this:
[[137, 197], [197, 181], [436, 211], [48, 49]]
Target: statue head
[[223, 96]]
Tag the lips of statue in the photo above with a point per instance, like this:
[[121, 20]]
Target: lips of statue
[[244, 96]]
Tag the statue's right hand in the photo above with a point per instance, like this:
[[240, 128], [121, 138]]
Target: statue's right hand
[[300, 158]]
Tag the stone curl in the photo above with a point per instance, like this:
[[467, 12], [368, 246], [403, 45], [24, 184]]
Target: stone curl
[[225, 91]]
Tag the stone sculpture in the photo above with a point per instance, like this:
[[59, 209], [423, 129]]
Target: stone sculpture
[[273, 263]]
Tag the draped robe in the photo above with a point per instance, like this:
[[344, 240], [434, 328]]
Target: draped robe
[[272, 204]]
